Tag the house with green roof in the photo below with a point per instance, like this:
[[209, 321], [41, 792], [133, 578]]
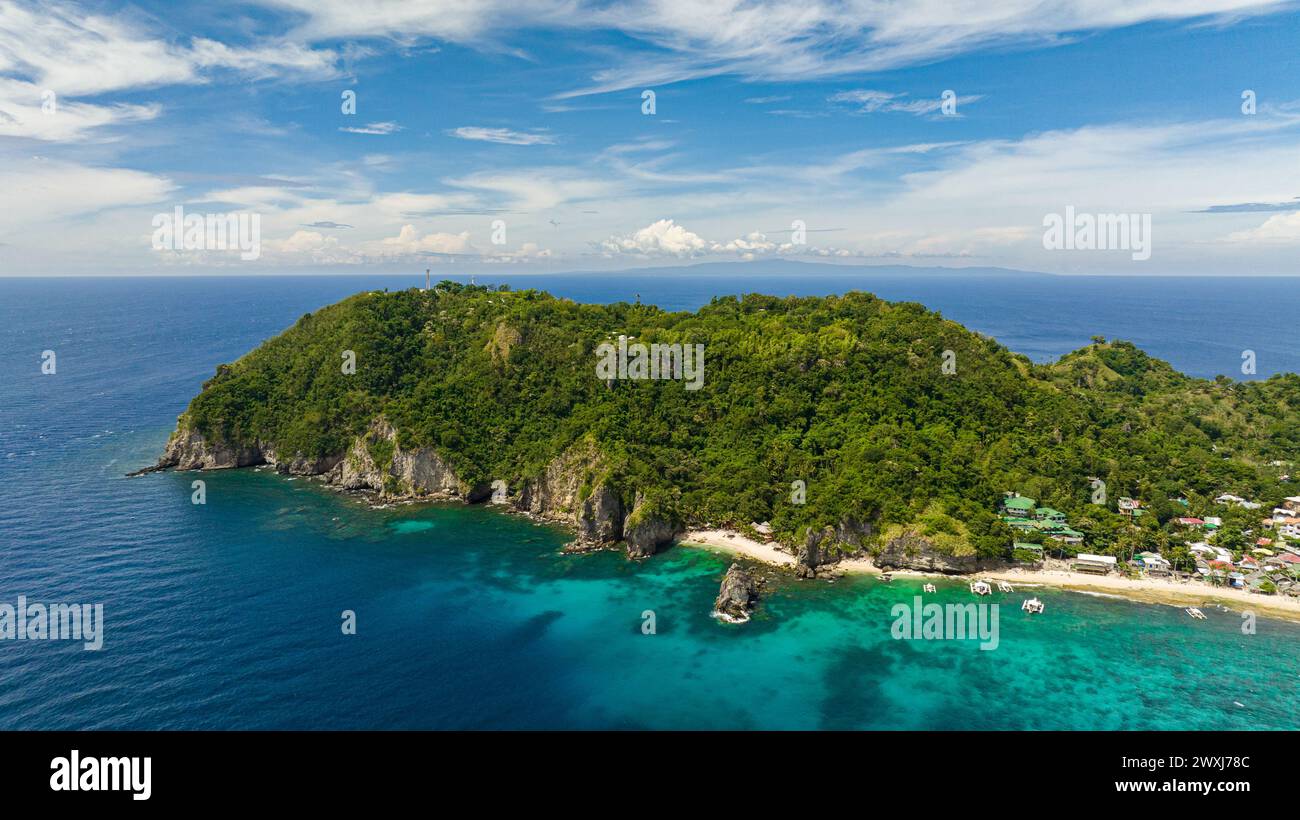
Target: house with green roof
[[1019, 523], [1049, 514], [1026, 553], [1064, 534], [1018, 506]]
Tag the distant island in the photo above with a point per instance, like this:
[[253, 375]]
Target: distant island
[[835, 429]]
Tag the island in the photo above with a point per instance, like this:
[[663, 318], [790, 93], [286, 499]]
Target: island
[[826, 430]]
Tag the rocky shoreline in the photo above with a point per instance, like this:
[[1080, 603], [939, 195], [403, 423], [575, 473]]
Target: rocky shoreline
[[601, 519], [375, 463], [574, 490]]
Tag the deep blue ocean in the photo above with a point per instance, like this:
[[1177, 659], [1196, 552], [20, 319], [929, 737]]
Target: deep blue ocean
[[227, 615]]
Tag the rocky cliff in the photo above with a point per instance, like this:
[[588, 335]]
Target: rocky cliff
[[575, 489], [377, 461], [911, 551], [826, 545]]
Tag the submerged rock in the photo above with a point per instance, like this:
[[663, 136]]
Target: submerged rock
[[737, 596]]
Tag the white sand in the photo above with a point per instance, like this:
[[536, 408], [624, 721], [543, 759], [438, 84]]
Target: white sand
[[1147, 590], [734, 542]]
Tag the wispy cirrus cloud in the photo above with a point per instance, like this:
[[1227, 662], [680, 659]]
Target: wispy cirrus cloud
[[373, 128], [869, 101], [502, 136], [769, 40]]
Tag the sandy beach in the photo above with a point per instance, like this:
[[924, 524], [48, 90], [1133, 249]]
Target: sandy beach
[[1146, 590]]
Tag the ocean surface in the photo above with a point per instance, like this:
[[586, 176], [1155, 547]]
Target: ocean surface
[[228, 614]]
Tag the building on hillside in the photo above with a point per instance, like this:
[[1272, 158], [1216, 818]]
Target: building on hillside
[[1189, 521], [1023, 524], [1015, 505], [1292, 502], [1060, 532], [1211, 552], [1050, 515], [1130, 507], [1229, 498]]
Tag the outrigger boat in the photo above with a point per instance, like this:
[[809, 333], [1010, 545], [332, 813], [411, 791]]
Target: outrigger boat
[[1003, 586], [980, 588], [1195, 613], [928, 588], [1033, 606]]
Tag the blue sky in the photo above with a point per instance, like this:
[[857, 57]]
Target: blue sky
[[767, 115]]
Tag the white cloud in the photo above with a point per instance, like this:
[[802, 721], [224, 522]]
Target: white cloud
[[35, 113], [540, 189], [1277, 228], [376, 128], [408, 242], [58, 47], [773, 40], [868, 101], [756, 39], [666, 238], [504, 136], [40, 191], [662, 238]]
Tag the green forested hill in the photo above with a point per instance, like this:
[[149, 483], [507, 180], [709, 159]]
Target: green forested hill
[[846, 394]]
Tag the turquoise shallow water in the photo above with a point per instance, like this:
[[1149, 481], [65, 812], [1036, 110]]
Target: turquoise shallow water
[[227, 615]]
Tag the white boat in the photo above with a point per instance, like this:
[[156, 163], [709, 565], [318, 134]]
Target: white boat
[[928, 588], [1195, 613], [1033, 606], [1003, 586], [980, 588]]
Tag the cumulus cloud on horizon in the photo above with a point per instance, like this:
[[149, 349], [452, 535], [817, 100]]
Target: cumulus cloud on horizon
[[666, 238]]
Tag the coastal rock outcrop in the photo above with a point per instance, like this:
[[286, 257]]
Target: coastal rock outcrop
[[912, 551], [302, 465], [736, 596], [852, 534], [600, 516], [555, 493], [827, 545], [647, 529], [188, 450], [376, 461]]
